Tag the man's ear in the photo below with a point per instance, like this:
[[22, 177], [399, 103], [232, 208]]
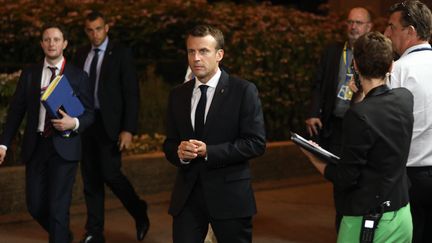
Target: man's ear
[[65, 43], [391, 67], [219, 54], [412, 31]]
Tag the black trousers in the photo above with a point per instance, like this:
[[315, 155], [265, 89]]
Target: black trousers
[[49, 183], [191, 225], [101, 164], [421, 202]]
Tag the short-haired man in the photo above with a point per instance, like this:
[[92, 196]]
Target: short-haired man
[[214, 126], [115, 87], [51, 159], [409, 29], [331, 96]]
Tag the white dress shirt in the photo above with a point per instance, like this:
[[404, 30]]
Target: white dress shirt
[[196, 95], [45, 80], [414, 71]]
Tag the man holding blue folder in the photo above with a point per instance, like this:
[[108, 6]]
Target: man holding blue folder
[[51, 159]]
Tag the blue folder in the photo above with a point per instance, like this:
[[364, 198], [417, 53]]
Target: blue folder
[[59, 94]]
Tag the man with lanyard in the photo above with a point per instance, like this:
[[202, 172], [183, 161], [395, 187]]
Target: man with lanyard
[[331, 96], [409, 28]]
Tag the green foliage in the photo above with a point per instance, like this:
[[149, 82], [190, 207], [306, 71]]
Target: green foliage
[[153, 102], [275, 47], [7, 88]]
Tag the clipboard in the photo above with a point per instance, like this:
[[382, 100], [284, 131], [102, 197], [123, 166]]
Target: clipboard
[[316, 150]]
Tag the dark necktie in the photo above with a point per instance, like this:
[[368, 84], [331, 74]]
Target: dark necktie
[[200, 112], [93, 67], [48, 128]]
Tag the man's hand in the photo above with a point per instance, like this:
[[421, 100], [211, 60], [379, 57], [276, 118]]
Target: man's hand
[[124, 140], [2, 155], [201, 147], [65, 123], [359, 95], [352, 86], [187, 151], [313, 125]]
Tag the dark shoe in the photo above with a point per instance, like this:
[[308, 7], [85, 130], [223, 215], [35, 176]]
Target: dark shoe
[[143, 224], [93, 238]]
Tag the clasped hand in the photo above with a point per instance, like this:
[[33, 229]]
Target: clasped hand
[[65, 123], [191, 149]]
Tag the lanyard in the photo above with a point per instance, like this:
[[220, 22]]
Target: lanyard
[[345, 58], [421, 49], [63, 66]]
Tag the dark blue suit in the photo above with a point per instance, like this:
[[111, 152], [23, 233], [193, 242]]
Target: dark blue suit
[[51, 162]]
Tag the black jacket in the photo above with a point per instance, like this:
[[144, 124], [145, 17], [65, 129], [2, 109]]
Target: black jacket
[[26, 101], [234, 133], [118, 89], [375, 145]]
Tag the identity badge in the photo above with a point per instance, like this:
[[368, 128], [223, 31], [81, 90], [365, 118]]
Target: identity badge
[[345, 92]]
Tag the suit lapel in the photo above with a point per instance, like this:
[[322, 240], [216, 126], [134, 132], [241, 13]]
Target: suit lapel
[[186, 104], [336, 59], [222, 90], [105, 64], [33, 90], [82, 56], [35, 85]]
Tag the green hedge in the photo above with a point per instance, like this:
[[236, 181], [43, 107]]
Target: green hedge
[[275, 47]]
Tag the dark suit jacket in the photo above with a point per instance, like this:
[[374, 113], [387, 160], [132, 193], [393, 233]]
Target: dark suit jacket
[[376, 140], [118, 89], [324, 90], [26, 100], [234, 133]]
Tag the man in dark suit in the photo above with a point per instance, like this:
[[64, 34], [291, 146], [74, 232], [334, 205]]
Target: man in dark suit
[[330, 93], [331, 96], [51, 159], [214, 126], [114, 82]]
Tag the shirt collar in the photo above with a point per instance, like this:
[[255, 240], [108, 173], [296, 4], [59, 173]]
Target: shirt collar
[[412, 48], [378, 91], [58, 65], [213, 82], [102, 46]]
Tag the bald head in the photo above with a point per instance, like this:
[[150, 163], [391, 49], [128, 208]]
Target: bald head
[[359, 22]]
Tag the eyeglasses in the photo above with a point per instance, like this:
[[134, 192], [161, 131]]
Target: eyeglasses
[[356, 22]]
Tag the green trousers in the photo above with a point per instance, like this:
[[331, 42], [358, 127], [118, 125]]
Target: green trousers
[[395, 226]]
